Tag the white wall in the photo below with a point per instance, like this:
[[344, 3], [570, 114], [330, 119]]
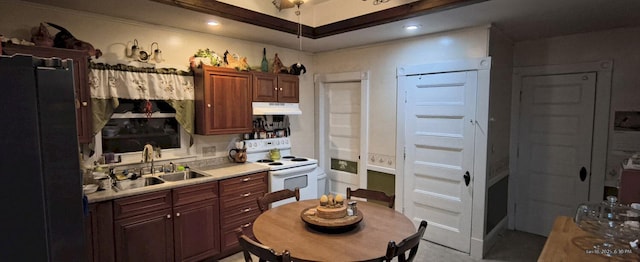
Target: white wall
[[501, 52], [621, 45], [111, 35], [382, 59]]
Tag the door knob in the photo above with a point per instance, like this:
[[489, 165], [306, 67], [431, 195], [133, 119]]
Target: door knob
[[467, 178], [583, 174]]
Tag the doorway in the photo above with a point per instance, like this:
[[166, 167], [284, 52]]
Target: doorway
[[439, 143], [558, 145], [342, 125], [442, 120]]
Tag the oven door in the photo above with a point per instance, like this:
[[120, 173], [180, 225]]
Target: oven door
[[304, 177]]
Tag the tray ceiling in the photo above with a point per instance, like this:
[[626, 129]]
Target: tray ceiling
[[336, 24]]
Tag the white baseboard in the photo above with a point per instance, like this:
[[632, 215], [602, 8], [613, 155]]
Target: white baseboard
[[492, 237]]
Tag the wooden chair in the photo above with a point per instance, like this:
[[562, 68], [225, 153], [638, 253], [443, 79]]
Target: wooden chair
[[264, 253], [372, 195], [268, 198], [410, 243]]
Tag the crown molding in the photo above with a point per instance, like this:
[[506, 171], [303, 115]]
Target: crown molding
[[393, 14]]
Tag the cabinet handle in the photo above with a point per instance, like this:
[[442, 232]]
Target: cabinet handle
[[245, 210], [84, 103], [168, 216], [281, 89], [246, 225], [275, 88], [178, 214], [208, 105], [246, 194], [246, 179]]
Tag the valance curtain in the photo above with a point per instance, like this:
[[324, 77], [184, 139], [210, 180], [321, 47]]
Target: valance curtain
[[110, 82]]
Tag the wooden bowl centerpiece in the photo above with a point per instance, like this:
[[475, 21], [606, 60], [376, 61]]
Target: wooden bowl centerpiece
[[331, 208], [331, 215]]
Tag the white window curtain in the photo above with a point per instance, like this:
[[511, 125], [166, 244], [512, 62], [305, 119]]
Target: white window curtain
[[110, 82]]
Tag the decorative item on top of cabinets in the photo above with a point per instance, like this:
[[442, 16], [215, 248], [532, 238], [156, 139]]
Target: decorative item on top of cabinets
[[64, 39], [236, 62], [264, 67], [283, 88], [136, 52], [40, 36], [205, 57], [278, 66], [297, 69], [222, 101]]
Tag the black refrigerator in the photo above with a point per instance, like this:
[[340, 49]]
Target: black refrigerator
[[40, 185]]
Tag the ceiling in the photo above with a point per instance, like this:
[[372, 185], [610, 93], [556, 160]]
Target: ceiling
[[519, 19]]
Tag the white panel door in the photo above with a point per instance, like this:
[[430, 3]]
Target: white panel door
[[439, 145], [554, 148], [342, 136]]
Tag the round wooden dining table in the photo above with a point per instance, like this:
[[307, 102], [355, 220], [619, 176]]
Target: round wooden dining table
[[282, 228]]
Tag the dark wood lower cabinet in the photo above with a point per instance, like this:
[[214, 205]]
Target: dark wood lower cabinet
[[147, 237], [190, 223], [196, 224], [99, 232]]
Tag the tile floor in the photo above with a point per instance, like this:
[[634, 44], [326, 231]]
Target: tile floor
[[511, 246]]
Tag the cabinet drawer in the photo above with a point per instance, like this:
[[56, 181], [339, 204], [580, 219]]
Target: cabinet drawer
[[235, 185], [142, 204], [248, 209], [230, 237], [247, 195], [195, 193], [238, 221], [228, 203]]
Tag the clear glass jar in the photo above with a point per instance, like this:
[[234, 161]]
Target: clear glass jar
[[616, 224]]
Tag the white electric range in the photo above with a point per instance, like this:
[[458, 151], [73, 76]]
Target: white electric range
[[287, 172]]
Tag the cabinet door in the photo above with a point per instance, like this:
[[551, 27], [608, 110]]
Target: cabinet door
[[265, 87], [81, 78], [288, 88], [99, 232], [147, 237], [226, 102], [196, 231]]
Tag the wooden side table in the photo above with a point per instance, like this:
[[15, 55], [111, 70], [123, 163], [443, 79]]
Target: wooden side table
[[567, 242]]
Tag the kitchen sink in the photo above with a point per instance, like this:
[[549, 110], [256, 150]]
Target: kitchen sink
[[182, 175], [137, 183]]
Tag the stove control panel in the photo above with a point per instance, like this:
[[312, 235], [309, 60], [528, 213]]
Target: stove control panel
[[258, 145]]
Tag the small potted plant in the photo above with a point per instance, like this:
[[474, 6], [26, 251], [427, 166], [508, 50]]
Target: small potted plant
[[206, 57]]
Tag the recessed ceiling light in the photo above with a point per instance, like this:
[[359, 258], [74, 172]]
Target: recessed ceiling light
[[412, 27], [213, 23]]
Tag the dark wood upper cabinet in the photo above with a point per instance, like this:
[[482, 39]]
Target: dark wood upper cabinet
[[222, 101], [268, 87], [81, 78], [288, 88]]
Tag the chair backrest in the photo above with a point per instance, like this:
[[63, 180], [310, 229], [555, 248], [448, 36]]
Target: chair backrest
[[264, 253], [372, 195], [410, 243], [268, 198]]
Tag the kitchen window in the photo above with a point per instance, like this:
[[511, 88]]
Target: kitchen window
[[131, 128]]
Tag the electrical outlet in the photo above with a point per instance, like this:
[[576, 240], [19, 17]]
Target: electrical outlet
[[209, 151]]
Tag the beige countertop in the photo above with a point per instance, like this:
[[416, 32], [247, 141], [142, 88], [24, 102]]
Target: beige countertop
[[213, 173]]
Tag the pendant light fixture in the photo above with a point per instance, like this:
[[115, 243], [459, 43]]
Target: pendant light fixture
[[284, 4]]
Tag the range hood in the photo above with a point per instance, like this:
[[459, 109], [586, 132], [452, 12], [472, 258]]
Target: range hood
[[267, 108]]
